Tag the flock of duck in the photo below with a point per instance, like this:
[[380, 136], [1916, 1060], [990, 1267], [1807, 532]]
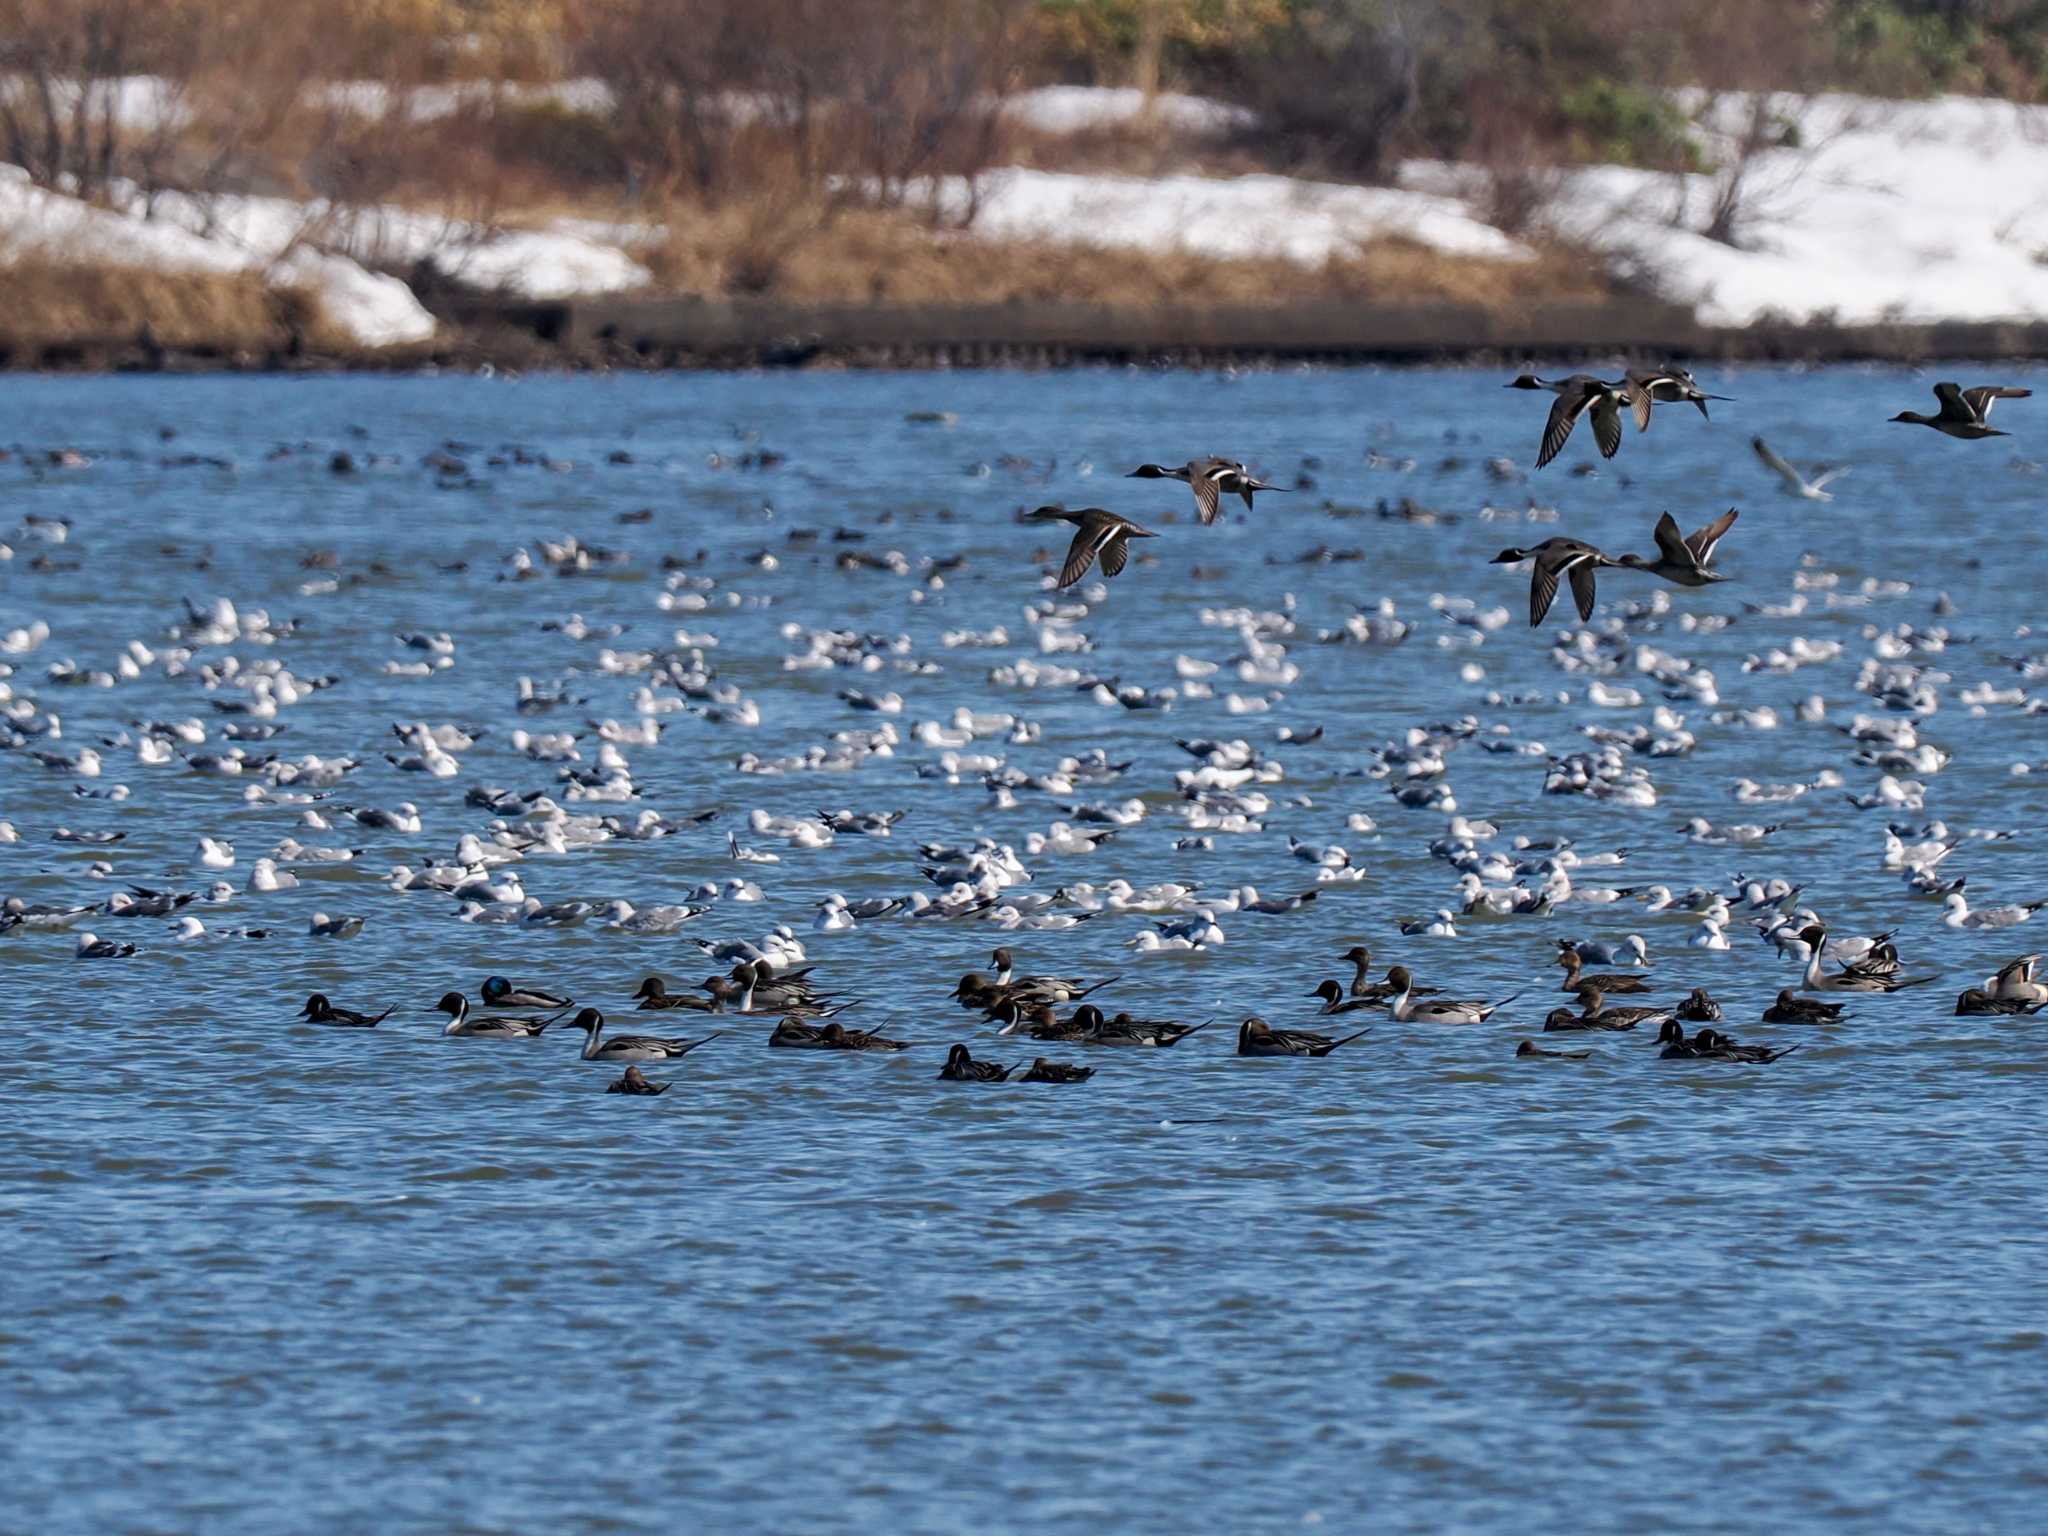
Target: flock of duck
[[770, 990]]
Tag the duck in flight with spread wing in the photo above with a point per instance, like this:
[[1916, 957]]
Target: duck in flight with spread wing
[[1097, 534], [1210, 479], [1576, 396], [1557, 559], [1685, 560], [1965, 413]]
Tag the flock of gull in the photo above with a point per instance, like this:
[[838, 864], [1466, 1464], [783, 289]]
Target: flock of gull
[[768, 988]]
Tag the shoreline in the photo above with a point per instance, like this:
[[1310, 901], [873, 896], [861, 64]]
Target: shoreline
[[687, 334]]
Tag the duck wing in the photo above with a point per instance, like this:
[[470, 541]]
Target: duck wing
[[1671, 543], [1953, 406], [1208, 495], [1637, 392], [1703, 542], [1606, 420], [1542, 590], [1116, 550], [1564, 415], [1088, 542], [1582, 569], [1980, 399]]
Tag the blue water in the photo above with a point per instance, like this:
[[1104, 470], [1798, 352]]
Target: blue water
[[263, 1276]]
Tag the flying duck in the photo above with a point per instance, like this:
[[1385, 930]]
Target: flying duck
[[1575, 397], [1668, 385], [1965, 413], [1209, 479], [1097, 533], [1556, 559], [1685, 560]]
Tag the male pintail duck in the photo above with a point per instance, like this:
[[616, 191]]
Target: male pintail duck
[[1809, 490], [1209, 479], [1855, 977], [961, 1067], [1594, 1010], [628, 1047], [2015, 979], [503, 1026], [1043, 1071], [1030, 991], [1531, 1048], [654, 993], [1699, 1008], [1668, 385], [1573, 980], [1097, 533], [1041, 1023], [793, 1034], [1255, 1037], [1125, 1030], [1685, 560], [1406, 1010], [1712, 1045], [497, 992], [1334, 1000], [1558, 559], [1976, 1001], [1575, 397], [319, 1011], [1791, 1008], [773, 988], [633, 1082], [1965, 412]]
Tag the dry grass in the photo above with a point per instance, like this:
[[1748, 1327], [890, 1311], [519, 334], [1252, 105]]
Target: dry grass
[[782, 251], [48, 301]]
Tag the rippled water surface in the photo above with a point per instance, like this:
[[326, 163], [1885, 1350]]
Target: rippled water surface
[[264, 1276]]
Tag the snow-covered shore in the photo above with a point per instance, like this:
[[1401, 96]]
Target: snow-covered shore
[[1867, 211]]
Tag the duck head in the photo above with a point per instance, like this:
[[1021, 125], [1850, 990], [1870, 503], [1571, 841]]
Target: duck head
[[958, 1058], [494, 988], [589, 1021], [1329, 992], [1510, 557], [1150, 472], [1253, 1028], [454, 1004], [653, 986], [1399, 979], [1671, 1032], [1088, 1016], [316, 1006]]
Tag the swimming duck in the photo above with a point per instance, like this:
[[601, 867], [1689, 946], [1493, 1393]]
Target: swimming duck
[[795, 1035], [1562, 1021], [633, 1082], [1698, 1008], [1594, 1010], [319, 1011], [1125, 1030], [654, 993], [961, 1067], [1530, 1048], [1334, 1000], [1255, 1037], [1573, 979], [2015, 979], [1373, 991], [1976, 1001], [1030, 991], [1408, 1011], [1712, 1045], [1685, 560], [1097, 532], [1209, 479], [504, 1026], [1965, 412], [497, 992], [629, 1047], [1791, 1008], [1041, 1023], [1044, 1071], [1557, 559], [1575, 397], [1855, 977], [1668, 385]]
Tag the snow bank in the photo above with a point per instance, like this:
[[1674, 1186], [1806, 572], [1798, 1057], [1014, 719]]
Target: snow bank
[[1878, 210], [377, 311], [1082, 108], [1303, 221]]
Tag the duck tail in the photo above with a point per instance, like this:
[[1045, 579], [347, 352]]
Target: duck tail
[[1349, 1038]]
